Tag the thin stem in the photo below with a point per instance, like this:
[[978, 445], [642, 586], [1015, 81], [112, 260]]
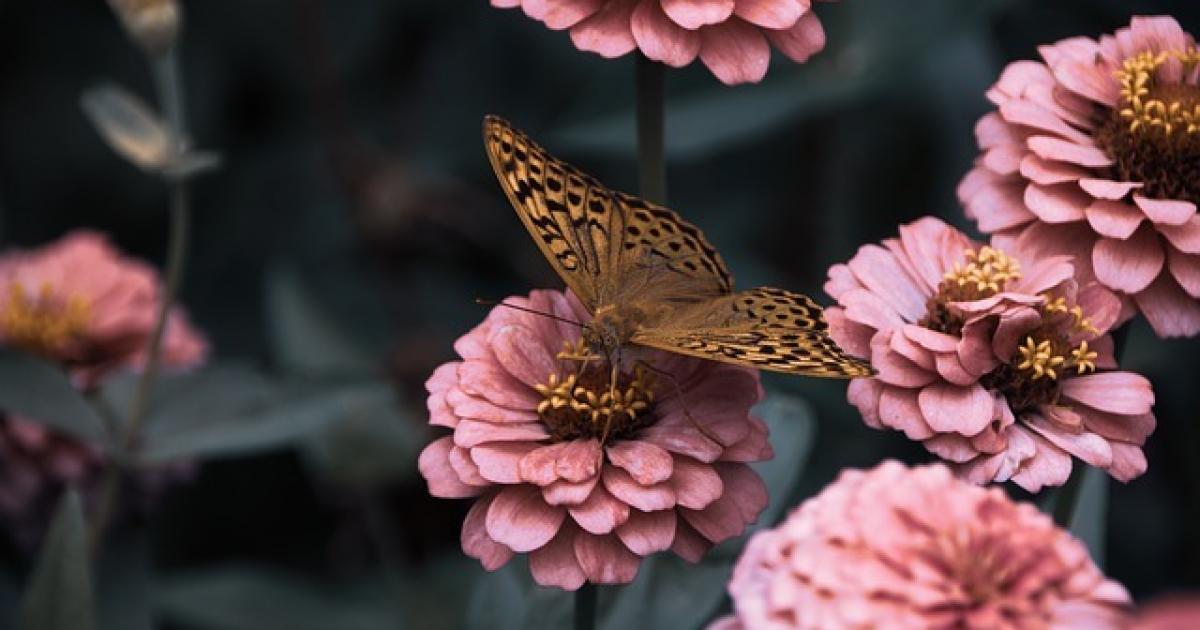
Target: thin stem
[[1068, 495], [585, 607], [170, 90], [651, 97]]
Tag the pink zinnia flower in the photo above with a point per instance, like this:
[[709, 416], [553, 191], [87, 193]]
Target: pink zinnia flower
[[996, 362], [585, 484], [732, 37], [1173, 612], [80, 304], [1094, 153], [909, 548]]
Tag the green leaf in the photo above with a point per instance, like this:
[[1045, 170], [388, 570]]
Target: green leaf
[[43, 393], [1090, 517], [59, 594], [124, 582], [509, 600], [129, 126], [793, 429], [254, 598], [670, 593], [304, 336], [375, 447]]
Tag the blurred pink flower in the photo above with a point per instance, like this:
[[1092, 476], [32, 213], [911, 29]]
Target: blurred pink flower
[[1093, 154], [914, 548], [732, 37], [1173, 612], [79, 303], [989, 358], [587, 487]]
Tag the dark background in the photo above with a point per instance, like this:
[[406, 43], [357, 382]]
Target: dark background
[[355, 219]]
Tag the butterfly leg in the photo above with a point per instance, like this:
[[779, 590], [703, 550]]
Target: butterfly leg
[[682, 399]]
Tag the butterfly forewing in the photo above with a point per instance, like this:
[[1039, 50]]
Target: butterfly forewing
[[616, 250]]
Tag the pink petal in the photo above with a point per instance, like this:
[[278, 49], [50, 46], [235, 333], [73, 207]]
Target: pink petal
[[540, 466], [746, 487], [992, 131], [605, 560], [719, 521], [1088, 447], [734, 51], [951, 369], [1128, 462], [1129, 265], [1060, 150], [648, 532], [905, 347], [1119, 427], [1170, 310], [523, 354], [1034, 116], [1047, 172], [555, 564], [695, 484], [1167, 211], [1061, 203], [661, 39], [1102, 306], [607, 32], [465, 468], [499, 462], [1049, 467], [434, 464], [645, 498], [753, 448], [684, 440], [471, 433], [803, 40], [1186, 237], [876, 268], [1107, 189], [600, 513], [1045, 274], [1114, 219], [464, 405], [1115, 392], [566, 493], [645, 462], [951, 447], [689, 544], [562, 14], [522, 520], [475, 541], [893, 368], [1085, 81], [975, 348], [490, 381], [1186, 271], [692, 14], [949, 408], [771, 14], [931, 340], [580, 460]]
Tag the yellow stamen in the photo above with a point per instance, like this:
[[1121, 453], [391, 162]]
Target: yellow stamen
[[43, 322], [1143, 112]]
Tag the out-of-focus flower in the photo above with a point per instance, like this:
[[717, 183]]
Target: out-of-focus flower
[[585, 475], [153, 24], [1095, 153], [79, 303], [732, 37], [1173, 612], [909, 548], [996, 361]]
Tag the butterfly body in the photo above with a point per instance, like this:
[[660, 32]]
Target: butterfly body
[[650, 278]]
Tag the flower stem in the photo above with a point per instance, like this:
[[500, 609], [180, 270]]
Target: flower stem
[[651, 97], [1069, 493], [170, 90], [585, 607]]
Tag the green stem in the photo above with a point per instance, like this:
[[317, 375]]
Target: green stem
[[651, 96], [585, 607], [170, 90], [1069, 493]]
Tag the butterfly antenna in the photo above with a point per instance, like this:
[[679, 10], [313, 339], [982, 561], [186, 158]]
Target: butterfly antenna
[[483, 302]]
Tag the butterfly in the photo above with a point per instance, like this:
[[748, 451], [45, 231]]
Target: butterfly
[[649, 278]]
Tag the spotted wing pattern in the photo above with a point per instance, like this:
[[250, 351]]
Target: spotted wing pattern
[[609, 247], [763, 328]]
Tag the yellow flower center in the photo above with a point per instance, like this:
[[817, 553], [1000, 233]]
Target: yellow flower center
[[1154, 133], [590, 399], [42, 322], [984, 273]]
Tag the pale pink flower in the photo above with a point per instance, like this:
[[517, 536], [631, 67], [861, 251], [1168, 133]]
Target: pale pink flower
[[585, 489], [732, 37], [914, 548], [80, 303], [995, 361], [1173, 612], [1093, 153]]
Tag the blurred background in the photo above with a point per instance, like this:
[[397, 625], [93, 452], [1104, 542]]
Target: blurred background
[[355, 219]]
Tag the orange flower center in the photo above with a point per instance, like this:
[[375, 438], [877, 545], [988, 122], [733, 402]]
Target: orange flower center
[[1154, 134], [591, 399], [984, 274], [43, 322]]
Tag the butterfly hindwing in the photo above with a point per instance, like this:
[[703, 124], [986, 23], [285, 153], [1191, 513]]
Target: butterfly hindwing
[[763, 328]]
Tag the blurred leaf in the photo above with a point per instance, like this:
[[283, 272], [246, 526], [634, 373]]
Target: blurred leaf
[[507, 599], [228, 410], [44, 393], [371, 448], [251, 598], [129, 126], [123, 582], [670, 593], [59, 594], [793, 428], [304, 337], [192, 164], [1091, 514]]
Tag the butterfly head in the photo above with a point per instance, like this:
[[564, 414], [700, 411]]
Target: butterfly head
[[611, 329]]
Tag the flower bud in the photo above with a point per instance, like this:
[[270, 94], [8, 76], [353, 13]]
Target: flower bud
[[153, 24]]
